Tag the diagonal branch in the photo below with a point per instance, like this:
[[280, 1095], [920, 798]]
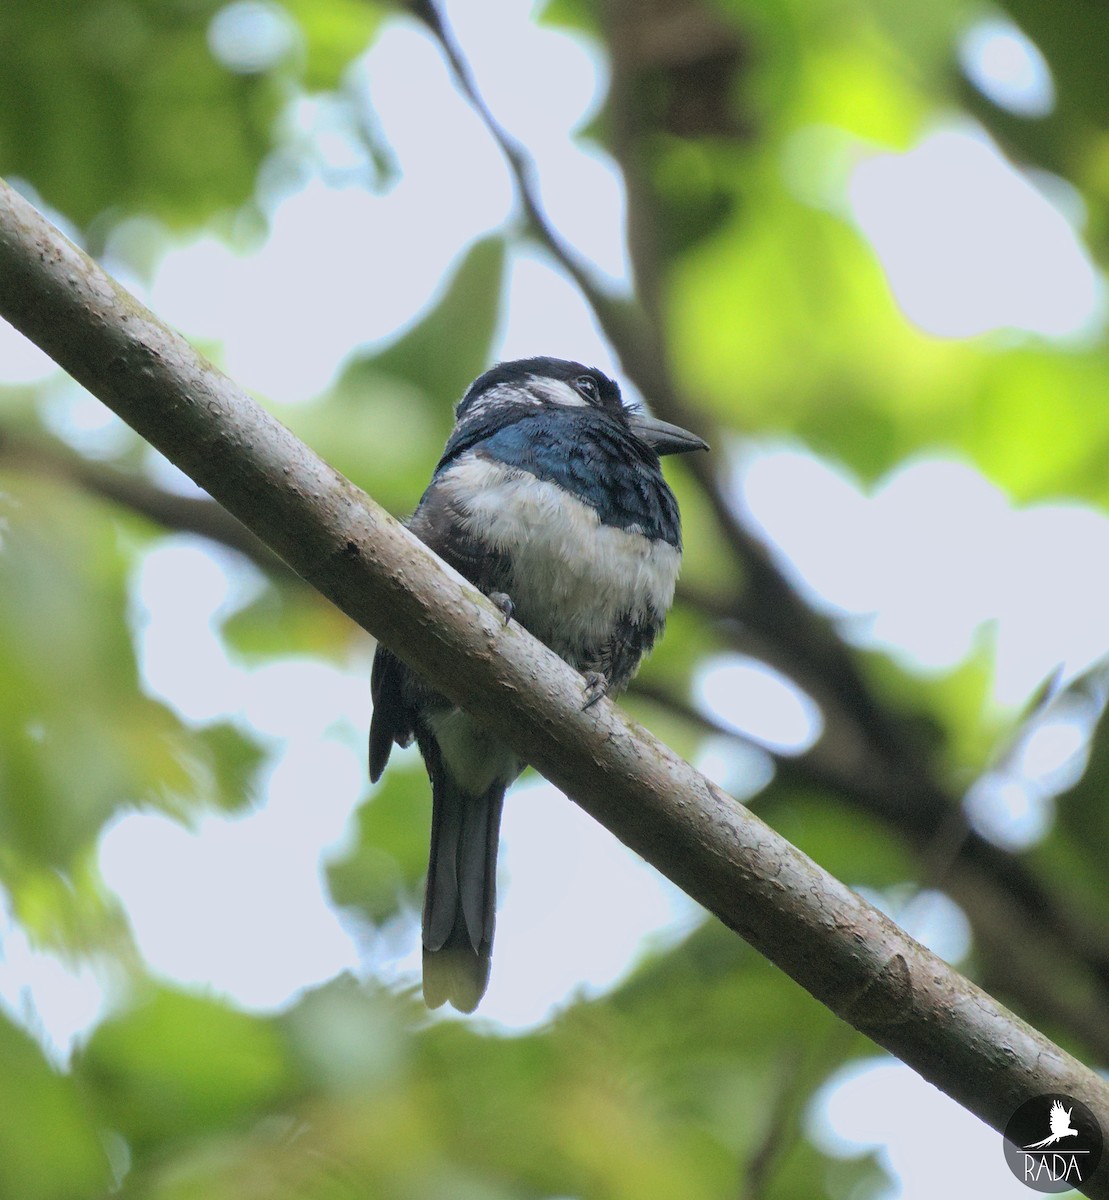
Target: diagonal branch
[[822, 767], [982, 878], [846, 953]]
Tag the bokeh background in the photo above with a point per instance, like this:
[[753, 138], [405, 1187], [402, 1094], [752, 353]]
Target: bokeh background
[[860, 246]]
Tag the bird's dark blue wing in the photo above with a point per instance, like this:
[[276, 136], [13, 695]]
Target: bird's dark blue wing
[[392, 722]]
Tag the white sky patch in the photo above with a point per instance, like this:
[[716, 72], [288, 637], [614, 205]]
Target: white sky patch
[[249, 36], [545, 314], [1007, 68], [180, 593], [179, 590], [238, 904], [739, 769], [1013, 813], [542, 84], [79, 419], [21, 361], [169, 476], [969, 245], [758, 703], [934, 553], [338, 271], [1057, 559], [343, 267], [1054, 750], [1014, 804], [929, 1145], [58, 1003]]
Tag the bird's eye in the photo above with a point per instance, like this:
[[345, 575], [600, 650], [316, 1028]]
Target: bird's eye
[[587, 387]]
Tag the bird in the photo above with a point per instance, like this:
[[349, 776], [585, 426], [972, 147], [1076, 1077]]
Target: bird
[[549, 497], [1060, 1126]]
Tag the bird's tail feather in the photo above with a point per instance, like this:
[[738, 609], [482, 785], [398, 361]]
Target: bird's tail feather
[[460, 905]]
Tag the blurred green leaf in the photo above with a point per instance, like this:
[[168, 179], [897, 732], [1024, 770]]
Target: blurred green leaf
[[49, 1146], [288, 620], [335, 31], [569, 14], [226, 767], [103, 103], [388, 860], [66, 659], [179, 1065], [349, 1039], [1076, 853], [72, 913], [120, 106]]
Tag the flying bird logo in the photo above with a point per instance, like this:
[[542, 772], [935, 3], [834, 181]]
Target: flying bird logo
[[1060, 1127]]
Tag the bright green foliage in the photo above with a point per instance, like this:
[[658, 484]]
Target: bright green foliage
[[780, 324], [49, 1142], [390, 858], [121, 106], [78, 738], [177, 1066]]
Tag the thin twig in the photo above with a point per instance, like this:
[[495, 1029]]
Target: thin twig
[[816, 656], [889, 761], [779, 1133], [183, 514]]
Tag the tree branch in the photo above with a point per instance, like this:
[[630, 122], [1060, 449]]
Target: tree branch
[[824, 767], [846, 953], [819, 768], [185, 514]]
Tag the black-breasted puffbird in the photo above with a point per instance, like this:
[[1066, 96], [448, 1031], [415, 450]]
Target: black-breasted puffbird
[[549, 497]]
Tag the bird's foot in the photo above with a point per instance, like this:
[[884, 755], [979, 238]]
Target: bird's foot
[[503, 601], [596, 686]]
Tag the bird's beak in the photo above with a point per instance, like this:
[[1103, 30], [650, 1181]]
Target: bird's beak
[[663, 437]]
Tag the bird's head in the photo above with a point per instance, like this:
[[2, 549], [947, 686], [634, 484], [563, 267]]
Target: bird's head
[[560, 383]]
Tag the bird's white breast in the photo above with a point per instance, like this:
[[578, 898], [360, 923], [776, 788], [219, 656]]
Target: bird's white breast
[[573, 578]]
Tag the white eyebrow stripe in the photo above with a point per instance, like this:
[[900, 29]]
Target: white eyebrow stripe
[[558, 391], [503, 393]]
